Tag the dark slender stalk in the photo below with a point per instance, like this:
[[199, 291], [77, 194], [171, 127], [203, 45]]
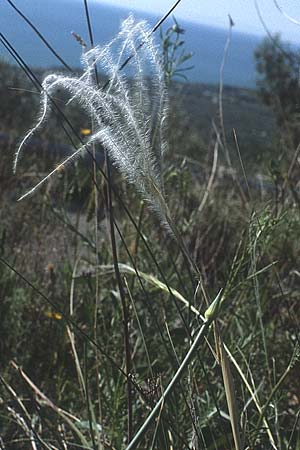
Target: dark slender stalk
[[87, 398], [39, 34], [89, 25], [176, 378], [125, 312], [96, 192], [156, 26]]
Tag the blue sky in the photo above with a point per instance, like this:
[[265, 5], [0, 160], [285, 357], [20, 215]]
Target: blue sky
[[215, 12]]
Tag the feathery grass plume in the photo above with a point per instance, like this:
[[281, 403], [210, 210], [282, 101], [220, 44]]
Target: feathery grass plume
[[129, 116]]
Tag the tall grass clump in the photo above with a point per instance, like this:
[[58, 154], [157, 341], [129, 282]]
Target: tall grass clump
[[169, 321]]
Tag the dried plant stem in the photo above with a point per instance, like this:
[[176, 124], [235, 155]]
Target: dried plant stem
[[125, 314], [157, 409], [87, 15], [202, 333], [70, 419], [211, 178], [95, 325], [253, 395], [274, 390], [221, 83], [229, 388], [71, 334]]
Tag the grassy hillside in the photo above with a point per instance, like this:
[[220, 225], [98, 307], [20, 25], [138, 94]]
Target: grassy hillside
[[198, 105]]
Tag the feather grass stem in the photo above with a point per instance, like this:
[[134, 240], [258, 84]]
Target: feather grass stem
[[202, 333], [200, 336]]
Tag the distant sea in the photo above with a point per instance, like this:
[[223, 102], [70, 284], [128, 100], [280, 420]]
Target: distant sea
[[56, 19]]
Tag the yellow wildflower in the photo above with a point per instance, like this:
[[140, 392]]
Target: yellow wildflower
[[85, 131], [54, 315]]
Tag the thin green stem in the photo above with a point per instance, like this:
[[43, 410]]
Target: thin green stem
[[159, 405]]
